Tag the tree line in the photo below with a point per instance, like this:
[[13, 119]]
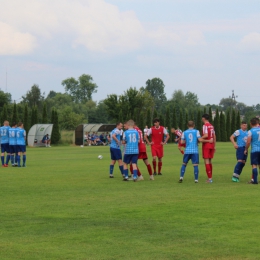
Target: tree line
[[75, 106]]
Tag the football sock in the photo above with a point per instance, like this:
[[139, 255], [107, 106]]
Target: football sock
[[255, 173], [122, 169], [7, 158], [208, 170], [24, 159], [159, 167], [242, 166], [111, 169], [138, 172], [154, 166], [18, 160], [149, 168], [135, 174], [183, 168], [12, 159], [3, 160], [196, 172], [131, 169], [125, 172], [15, 159]]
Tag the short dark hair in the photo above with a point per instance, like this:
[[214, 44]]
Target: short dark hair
[[20, 123], [191, 124], [253, 121], [118, 123], [156, 120], [14, 124], [206, 116], [243, 123], [257, 119]]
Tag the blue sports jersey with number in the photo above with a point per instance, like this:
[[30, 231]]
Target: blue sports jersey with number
[[4, 134], [254, 133], [114, 144], [12, 136], [241, 137], [191, 138], [20, 136], [131, 137]]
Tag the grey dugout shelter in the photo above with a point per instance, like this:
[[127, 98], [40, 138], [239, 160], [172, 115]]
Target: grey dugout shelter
[[37, 132], [90, 128]]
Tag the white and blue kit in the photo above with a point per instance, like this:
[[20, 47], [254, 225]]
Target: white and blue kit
[[131, 137], [191, 137], [4, 131], [115, 150], [241, 137], [12, 140], [254, 133]]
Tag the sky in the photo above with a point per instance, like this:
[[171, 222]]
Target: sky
[[208, 47]]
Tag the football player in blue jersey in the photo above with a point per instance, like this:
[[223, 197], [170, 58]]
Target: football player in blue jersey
[[253, 139], [21, 144], [13, 142], [191, 137], [4, 132], [131, 140], [115, 150], [239, 145]]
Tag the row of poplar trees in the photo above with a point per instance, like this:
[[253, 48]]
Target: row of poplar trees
[[224, 123], [30, 118]]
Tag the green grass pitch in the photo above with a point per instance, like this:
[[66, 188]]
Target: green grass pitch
[[64, 206]]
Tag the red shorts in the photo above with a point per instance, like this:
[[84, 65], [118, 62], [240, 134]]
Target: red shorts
[[157, 150], [142, 155], [208, 153]]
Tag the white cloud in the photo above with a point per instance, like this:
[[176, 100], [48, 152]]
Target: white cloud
[[13, 42], [251, 42], [95, 24]]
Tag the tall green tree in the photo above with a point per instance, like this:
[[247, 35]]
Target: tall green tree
[[228, 124], [168, 120], [223, 132], [156, 87], [32, 117], [55, 136], [155, 115], [238, 121], [141, 123], [36, 115], [15, 116], [162, 120], [33, 97], [217, 125], [44, 114], [82, 89], [174, 118], [205, 110], [26, 119], [5, 98], [186, 122], [210, 116], [4, 113], [199, 122], [148, 118], [181, 119], [233, 121]]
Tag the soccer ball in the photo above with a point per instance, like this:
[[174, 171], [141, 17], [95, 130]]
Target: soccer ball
[[81, 146], [100, 157]]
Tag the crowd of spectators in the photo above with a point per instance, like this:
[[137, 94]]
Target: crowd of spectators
[[95, 139]]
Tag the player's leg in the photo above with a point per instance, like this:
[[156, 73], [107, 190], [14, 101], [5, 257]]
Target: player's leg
[[125, 171], [8, 155], [134, 158], [19, 156], [254, 163], [24, 157], [195, 162], [186, 158], [149, 168], [160, 156], [241, 160], [3, 154], [112, 164], [207, 162]]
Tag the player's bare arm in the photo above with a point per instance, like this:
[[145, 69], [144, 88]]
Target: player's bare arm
[[248, 143], [114, 137], [232, 139], [166, 140], [205, 141]]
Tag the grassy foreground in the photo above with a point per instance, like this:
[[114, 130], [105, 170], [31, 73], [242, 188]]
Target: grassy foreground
[[64, 206]]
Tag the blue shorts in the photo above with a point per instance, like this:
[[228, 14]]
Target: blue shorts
[[12, 148], [115, 154], [21, 148], [193, 157], [5, 148], [255, 158], [240, 153], [130, 158]]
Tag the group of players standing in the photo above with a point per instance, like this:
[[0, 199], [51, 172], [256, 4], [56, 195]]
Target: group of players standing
[[135, 148], [13, 144]]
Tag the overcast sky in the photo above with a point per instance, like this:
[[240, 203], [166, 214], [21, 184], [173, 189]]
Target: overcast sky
[[208, 47]]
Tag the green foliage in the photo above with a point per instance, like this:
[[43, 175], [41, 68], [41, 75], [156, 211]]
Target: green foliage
[[148, 118], [55, 136], [14, 117], [44, 114], [217, 125], [155, 87], [233, 121], [205, 110], [141, 122], [155, 115], [238, 120], [81, 90], [26, 119], [33, 97], [223, 132], [174, 118], [5, 98], [199, 122], [181, 124], [162, 120], [228, 124], [4, 113], [210, 115]]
